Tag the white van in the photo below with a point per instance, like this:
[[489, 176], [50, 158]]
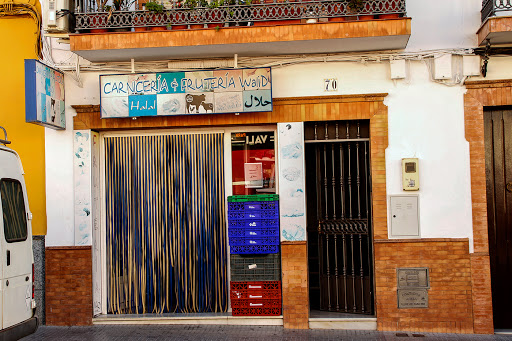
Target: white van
[[17, 304]]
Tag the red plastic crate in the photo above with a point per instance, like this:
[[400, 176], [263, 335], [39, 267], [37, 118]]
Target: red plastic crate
[[256, 285], [270, 294], [256, 311], [255, 303]]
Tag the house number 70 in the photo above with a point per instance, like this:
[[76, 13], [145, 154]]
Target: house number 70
[[330, 84]]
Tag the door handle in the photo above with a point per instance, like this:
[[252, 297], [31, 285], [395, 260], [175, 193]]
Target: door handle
[[509, 187], [8, 257]]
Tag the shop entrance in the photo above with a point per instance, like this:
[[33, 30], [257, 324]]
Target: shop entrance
[[498, 154], [338, 190], [166, 247]]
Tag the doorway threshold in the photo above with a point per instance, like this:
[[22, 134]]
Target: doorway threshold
[[503, 331], [199, 318], [331, 320]]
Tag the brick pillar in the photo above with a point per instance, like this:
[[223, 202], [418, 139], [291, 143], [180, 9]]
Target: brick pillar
[[69, 286], [294, 262]]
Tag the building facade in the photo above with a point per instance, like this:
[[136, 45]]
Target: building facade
[[377, 144]]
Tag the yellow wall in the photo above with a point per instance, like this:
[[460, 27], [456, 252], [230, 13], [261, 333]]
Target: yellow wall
[[18, 42]]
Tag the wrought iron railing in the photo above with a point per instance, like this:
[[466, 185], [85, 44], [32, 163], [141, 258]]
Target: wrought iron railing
[[237, 14], [491, 8]]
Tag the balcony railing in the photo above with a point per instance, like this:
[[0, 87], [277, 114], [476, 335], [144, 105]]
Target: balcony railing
[[236, 13], [491, 8]]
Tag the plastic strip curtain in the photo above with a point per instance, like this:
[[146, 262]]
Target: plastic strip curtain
[[166, 228]]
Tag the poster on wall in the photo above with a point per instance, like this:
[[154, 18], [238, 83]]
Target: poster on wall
[[186, 93], [44, 95], [82, 177], [253, 175], [292, 199]]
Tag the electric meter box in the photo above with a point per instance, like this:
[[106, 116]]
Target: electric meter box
[[410, 174]]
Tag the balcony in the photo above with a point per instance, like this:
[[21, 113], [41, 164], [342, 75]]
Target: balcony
[[496, 22], [255, 28]]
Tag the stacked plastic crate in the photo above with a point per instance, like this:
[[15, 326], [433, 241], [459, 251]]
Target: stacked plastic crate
[[253, 228]]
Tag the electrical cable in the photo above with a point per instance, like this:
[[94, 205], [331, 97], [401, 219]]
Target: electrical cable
[[268, 61], [29, 8]]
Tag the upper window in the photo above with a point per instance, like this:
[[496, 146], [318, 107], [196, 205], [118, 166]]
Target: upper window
[[13, 208], [253, 163]]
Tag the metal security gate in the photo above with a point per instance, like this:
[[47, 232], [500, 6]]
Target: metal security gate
[[498, 156], [339, 211], [165, 224]]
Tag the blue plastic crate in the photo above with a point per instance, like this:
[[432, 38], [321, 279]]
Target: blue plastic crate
[[249, 198], [266, 240], [254, 206], [272, 214], [253, 249], [253, 231], [254, 223]]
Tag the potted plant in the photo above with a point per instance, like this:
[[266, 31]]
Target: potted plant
[[337, 9], [139, 19], [197, 10], [179, 15], [284, 12], [357, 6], [120, 5], [214, 16], [98, 20], [158, 15], [383, 7]]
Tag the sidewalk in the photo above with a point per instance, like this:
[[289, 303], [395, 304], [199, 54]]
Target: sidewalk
[[214, 332]]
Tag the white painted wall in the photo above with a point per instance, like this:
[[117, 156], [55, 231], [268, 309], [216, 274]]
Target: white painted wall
[[443, 24], [59, 184], [497, 68], [59, 166]]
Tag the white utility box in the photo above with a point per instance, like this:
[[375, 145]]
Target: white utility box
[[404, 220]]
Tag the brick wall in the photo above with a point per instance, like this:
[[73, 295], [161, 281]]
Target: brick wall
[[69, 286], [450, 300], [294, 263]]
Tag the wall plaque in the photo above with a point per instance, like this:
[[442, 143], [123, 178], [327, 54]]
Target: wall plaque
[[410, 278], [412, 298]]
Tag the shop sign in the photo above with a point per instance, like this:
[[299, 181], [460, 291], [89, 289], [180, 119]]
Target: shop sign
[[44, 95], [186, 93]]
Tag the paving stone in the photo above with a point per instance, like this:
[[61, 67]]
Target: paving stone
[[219, 333]]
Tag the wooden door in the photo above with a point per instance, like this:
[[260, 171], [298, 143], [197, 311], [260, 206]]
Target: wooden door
[[498, 167]]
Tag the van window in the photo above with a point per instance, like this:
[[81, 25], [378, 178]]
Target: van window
[[13, 208]]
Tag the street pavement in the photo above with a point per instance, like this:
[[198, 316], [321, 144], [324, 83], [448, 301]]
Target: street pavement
[[216, 332]]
